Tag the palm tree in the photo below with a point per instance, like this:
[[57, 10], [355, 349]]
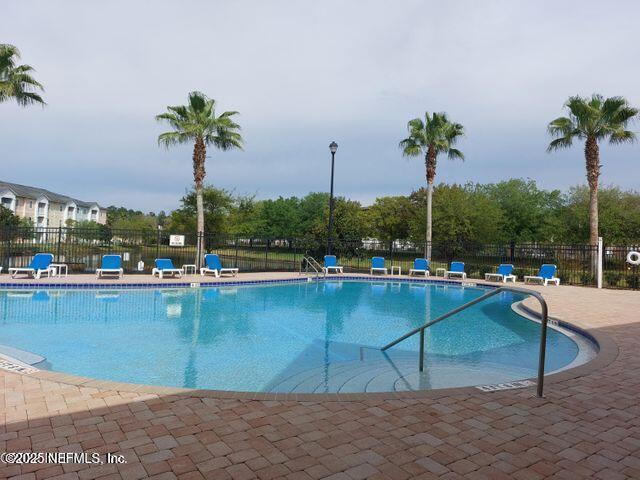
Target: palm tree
[[437, 134], [197, 122], [593, 119], [16, 81]]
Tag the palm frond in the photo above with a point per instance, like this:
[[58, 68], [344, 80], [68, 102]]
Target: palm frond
[[415, 125], [455, 154], [16, 81], [624, 115], [197, 101], [168, 139], [29, 98], [561, 126], [560, 143], [622, 136], [410, 148]]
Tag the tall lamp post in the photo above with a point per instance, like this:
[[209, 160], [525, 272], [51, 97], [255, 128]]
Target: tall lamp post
[[333, 147]]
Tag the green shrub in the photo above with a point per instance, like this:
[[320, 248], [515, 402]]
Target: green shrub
[[587, 278], [485, 269], [612, 278], [633, 281], [521, 272]]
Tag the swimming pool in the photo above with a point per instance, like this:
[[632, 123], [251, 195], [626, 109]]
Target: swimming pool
[[299, 337]]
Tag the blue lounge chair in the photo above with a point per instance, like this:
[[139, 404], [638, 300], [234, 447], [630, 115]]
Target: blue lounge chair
[[111, 265], [41, 263], [377, 265], [331, 263], [164, 266], [456, 269], [420, 265], [504, 274], [213, 265], [546, 274]]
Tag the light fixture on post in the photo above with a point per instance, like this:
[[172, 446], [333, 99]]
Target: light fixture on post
[[333, 147]]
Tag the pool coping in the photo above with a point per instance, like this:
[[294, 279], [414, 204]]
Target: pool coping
[[228, 281], [607, 348]]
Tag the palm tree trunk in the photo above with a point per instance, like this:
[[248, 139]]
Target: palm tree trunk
[[199, 156], [592, 156], [430, 164]]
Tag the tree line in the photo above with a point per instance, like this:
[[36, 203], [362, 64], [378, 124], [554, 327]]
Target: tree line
[[512, 210]]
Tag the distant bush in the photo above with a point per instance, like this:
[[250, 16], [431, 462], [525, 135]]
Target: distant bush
[[612, 278]]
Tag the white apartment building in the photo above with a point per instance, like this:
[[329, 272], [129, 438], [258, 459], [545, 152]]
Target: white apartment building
[[48, 209]]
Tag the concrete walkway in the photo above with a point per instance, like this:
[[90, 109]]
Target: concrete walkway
[[587, 426]]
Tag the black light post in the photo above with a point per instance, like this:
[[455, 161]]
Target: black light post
[[333, 147]]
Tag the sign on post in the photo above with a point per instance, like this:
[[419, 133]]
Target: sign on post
[[176, 240]]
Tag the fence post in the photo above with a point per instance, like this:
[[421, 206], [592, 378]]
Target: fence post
[[391, 252], [59, 244], [600, 263], [512, 251], [158, 242], [236, 245], [266, 254], [9, 238]]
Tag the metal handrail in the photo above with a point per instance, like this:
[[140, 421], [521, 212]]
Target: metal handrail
[[543, 327], [310, 261]]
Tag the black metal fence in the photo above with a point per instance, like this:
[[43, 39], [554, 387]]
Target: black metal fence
[[82, 250]]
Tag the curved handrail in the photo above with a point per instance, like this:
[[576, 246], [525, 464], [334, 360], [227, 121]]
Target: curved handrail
[[525, 291], [310, 261]]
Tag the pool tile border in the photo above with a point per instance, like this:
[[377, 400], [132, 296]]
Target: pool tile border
[[231, 283]]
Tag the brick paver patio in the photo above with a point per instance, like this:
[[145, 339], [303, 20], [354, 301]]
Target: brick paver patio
[[587, 426]]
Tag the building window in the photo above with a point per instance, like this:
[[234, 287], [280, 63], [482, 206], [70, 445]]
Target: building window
[[30, 204], [62, 208]]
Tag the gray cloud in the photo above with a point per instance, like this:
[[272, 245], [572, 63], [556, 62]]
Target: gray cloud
[[302, 74]]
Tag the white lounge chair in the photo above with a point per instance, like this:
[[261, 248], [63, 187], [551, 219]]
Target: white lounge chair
[[456, 269], [504, 274], [546, 275], [420, 265], [164, 266], [213, 265], [40, 264], [331, 263], [111, 265], [377, 265]]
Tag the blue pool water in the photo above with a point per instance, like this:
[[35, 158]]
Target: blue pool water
[[299, 337]]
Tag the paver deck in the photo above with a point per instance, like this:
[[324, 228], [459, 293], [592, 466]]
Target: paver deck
[[587, 426]]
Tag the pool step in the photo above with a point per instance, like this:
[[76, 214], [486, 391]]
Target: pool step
[[350, 376], [397, 373]]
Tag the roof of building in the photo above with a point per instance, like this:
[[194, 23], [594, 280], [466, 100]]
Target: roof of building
[[35, 193]]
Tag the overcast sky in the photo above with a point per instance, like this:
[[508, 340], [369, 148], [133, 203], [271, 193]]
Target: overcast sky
[[303, 73]]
